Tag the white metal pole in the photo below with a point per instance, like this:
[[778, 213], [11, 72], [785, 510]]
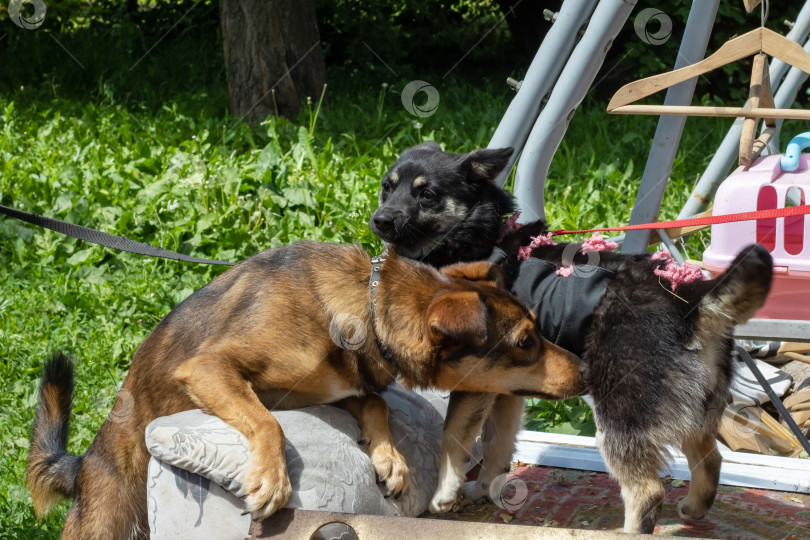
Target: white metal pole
[[574, 82], [669, 130], [540, 78]]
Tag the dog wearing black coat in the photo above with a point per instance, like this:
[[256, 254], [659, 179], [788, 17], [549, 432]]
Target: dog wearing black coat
[[660, 360]]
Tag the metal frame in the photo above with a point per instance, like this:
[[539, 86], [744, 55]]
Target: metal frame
[[574, 80], [569, 71], [668, 133], [543, 72]]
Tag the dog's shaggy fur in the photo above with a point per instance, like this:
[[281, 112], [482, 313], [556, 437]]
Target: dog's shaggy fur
[[660, 363], [269, 333]]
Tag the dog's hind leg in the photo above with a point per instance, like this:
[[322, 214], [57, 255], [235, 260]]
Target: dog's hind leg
[[704, 463], [643, 496], [371, 412], [465, 414], [635, 465], [498, 443], [109, 502], [214, 383]]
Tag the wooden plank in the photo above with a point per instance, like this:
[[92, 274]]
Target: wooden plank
[[724, 112], [295, 523], [794, 347], [800, 357], [759, 72]]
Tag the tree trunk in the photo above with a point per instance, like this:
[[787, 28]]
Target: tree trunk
[[273, 56]]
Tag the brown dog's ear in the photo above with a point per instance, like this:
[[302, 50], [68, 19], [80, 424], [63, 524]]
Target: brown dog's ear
[[486, 164], [459, 316], [476, 271]]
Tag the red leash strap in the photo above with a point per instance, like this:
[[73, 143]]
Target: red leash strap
[[709, 220]]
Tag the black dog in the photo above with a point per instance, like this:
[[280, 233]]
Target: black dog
[[660, 360]]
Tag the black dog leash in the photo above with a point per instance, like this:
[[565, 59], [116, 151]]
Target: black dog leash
[[783, 412], [102, 238]]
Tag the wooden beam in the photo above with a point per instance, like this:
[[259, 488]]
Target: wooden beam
[[759, 95], [725, 112]]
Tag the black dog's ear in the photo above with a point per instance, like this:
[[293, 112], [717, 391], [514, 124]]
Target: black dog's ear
[[486, 163]]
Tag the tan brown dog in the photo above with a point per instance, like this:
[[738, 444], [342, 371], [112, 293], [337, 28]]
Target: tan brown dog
[[283, 329]]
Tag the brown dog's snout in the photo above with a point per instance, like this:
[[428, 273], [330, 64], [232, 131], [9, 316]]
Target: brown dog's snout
[[571, 368], [584, 370]]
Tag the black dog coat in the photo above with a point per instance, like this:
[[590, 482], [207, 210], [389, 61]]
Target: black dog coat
[[564, 306]]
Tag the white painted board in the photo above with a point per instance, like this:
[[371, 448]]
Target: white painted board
[[739, 469]]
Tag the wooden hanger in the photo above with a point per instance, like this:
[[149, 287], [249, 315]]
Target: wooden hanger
[[759, 95], [750, 5], [761, 40]]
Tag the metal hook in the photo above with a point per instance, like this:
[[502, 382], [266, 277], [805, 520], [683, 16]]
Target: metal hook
[[764, 8]]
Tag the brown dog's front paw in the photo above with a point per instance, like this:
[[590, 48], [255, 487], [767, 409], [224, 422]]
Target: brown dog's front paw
[[391, 469], [267, 489]]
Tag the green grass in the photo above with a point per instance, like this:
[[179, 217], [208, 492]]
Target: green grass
[[205, 184]]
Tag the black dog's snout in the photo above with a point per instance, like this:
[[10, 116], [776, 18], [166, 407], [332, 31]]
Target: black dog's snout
[[383, 221]]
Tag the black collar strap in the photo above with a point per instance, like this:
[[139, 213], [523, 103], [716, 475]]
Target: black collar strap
[[374, 281]]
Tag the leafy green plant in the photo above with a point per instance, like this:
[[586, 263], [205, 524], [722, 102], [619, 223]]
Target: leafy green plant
[[570, 417]]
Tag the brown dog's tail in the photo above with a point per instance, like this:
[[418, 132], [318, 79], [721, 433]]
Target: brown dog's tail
[[51, 471]]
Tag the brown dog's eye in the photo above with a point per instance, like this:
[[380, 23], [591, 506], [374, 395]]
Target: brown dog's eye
[[428, 194], [526, 342]]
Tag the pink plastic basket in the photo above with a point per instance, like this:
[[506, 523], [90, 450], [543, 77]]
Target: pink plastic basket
[[763, 186]]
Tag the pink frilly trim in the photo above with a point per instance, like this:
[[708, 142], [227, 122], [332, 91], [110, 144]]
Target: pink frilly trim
[[541, 240], [597, 243], [594, 243], [674, 273], [565, 271], [511, 225]]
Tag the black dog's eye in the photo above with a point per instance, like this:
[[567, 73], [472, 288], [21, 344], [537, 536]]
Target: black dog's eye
[[428, 194], [386, 186]]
